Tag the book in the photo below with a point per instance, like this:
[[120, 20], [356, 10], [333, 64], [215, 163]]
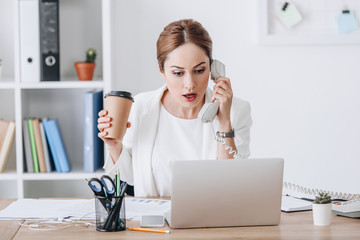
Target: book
[[51, 145], [6, 145], [4, 125], [93, 145], [293, 204], [45, 148], [33, 146], [57, 147], [39, 145], [27, 148]]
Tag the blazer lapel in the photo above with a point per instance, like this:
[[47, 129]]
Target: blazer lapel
[[148, 125]]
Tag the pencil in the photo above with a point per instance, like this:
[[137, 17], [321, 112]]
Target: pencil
[[149, 230]]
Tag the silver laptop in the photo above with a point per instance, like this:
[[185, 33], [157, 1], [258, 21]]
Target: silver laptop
[[220, 193]]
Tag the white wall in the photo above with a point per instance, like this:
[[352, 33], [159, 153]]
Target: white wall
[[305, 101]]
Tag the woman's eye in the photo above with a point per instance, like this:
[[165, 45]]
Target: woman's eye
[[199, 70], [177, 73]]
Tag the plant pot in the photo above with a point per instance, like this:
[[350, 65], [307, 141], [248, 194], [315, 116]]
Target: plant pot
[[322, 214], [85, 71]]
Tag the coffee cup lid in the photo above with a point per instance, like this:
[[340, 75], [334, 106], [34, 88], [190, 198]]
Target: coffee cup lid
[[123, 94]]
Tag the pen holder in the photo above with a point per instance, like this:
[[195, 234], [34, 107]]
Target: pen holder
[[110, 214]]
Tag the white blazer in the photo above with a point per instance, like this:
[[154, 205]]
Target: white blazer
[[134, 161]]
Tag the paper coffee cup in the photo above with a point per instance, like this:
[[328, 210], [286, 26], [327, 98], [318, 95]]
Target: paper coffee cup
[[118, 105]]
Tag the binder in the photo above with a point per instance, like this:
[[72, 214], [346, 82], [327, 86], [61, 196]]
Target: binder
[[33, 146], [56, 144], [39, 145], [93, 145], [49, 40], [6, 145], [27, 148], [29, 40]]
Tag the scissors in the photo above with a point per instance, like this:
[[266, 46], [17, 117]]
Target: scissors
[[104, 187]]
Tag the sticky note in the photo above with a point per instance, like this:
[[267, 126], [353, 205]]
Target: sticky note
[[346, 22], [289, 15]]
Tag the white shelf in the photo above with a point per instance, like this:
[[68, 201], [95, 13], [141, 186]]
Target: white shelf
[[7, 84], [61, 176], [42, 98], [8, 176], [63, 85]]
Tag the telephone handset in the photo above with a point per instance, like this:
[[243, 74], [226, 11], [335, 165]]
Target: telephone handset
[[210, 110]]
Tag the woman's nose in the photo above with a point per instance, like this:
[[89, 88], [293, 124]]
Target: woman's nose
[[189, 82]]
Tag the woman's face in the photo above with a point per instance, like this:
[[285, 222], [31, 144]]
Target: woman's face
[[186, 72]]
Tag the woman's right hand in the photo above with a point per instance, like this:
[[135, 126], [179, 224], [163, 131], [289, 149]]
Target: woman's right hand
[[114, 145]]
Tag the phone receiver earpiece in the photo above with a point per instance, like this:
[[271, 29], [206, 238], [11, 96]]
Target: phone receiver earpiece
[[217, 69]]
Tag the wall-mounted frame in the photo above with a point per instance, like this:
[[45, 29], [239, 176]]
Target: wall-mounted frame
[[317, 27]]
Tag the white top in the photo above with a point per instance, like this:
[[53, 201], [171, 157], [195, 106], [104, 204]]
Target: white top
[[181, 143], [135, 160]]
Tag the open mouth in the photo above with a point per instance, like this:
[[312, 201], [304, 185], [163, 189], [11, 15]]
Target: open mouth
[[190, 97]]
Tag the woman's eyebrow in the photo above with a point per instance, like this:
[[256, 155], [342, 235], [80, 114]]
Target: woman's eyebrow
[[199, 64], [183, 68], [176, 67]]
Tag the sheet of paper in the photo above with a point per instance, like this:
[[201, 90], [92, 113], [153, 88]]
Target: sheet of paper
[[346, 22], [49, 209], [289, 15], [136, 207], [79, 209]]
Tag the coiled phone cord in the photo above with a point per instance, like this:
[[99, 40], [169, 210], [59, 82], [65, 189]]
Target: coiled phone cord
[[314, 191], [288, 185], [226, 145]]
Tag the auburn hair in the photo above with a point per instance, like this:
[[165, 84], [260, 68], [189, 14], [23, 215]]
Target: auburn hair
[[178, 33]]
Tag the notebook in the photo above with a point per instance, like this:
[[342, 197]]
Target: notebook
[[221, 193], [292, 204]]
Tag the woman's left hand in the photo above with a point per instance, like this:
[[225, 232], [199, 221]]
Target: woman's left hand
[[223, 92]]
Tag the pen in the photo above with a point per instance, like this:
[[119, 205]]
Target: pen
[[149, 230], [118, 183]]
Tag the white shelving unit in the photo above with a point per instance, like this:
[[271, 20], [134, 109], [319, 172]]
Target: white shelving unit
[[83, 24]]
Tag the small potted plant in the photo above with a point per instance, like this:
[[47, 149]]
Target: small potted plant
[[85, 70], [322, 210]]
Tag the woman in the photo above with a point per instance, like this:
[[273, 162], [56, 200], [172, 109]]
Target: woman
[[163, 126]]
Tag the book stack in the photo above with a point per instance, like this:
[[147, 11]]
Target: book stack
[[7, 133], [43, 146]]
